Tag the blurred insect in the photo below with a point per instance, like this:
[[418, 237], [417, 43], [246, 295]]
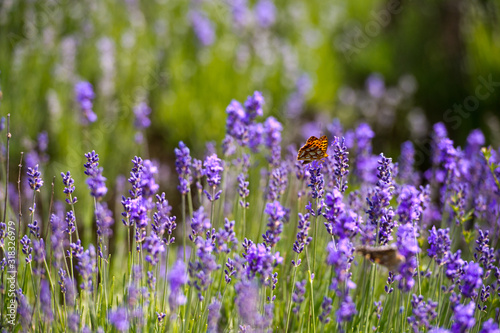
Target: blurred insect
[[387, 255], [314, 149]]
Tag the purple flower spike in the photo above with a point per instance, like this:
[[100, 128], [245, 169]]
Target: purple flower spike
[[471, 279], [490, 326], [341, 157], [253, 106], [203, 28], [96, 180], [46, 305], [119, 319], [84, 94], [177, 277], [265, 12], [463, 318], [35, 178], [141, 113], [212, 170], [183, 167], [408, 248], [439, 244], [277, 214]]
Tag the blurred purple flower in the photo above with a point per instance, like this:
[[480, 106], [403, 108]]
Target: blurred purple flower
[[298, 295], [326, 307], [407, 246], [45, 302], [213, 316], [203, 28], [272, 139], [463, 317], [265, 12], [490, 326], [375, 85], [141, 113], [84, 94], [119, 319], [177, 277]]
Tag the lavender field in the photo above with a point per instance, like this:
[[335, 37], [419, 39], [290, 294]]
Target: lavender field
[[153, 178]]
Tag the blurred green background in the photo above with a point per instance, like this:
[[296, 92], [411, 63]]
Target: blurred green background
[[398, 65]]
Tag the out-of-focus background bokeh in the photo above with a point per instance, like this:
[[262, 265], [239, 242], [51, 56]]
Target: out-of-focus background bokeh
[[398, 65]]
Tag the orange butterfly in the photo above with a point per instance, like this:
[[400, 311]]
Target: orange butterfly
[[314, 149]]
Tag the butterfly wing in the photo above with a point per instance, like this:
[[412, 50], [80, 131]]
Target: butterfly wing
[[314, 149], [387, 256]]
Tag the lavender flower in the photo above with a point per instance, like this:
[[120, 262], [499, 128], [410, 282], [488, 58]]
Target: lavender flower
[[119, 319], [406, 162], [490, 326], [200, 223], [35, 178], [423, 313], [272, 139], [212, 170], [27, 249], [201, 269], [243, 190], [409, 209], [454, 265], [463, 318], [278, 182], [57, 237], [226, 238], [298, 295], [326, 307], [380, 213], [70, 222], [84, 94], [203, 28], [182, 166], [213, 315], [303, 238], [104, 220], [471, 279], [86, 264], [340, 256], [408, 248], [277, 214], [253, 106], [260, 260], [484, 254], [177, 277], [155, 247], [439, 244], [163, 222], [147, 181], [265, 12], [316, 182], [341, 157], [96, 181], [141, 113], [48, 315], [69, 187]]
